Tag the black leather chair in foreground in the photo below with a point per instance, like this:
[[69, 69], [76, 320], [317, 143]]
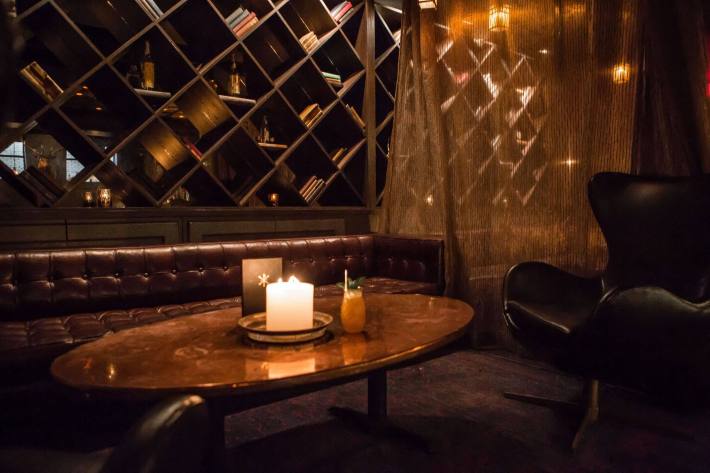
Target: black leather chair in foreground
[[170, 438], [645, 323]]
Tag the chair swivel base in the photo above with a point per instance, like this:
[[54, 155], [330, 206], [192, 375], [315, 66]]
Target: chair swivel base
[[590, 408]]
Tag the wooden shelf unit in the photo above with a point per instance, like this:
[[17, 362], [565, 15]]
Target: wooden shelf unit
[[188, 136]]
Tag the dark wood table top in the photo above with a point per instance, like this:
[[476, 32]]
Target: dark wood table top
[[208, 354]]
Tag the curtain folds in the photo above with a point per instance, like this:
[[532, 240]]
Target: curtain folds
[[498, 130], [673, 116]]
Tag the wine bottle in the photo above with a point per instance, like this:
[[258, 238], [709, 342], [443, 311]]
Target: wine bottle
[[234, 85], [148, 69], [134, 77], [264, 133]]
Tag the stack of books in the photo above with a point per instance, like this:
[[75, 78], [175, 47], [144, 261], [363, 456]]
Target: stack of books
[[338, 156], [41, 81], [312, 188], [341, 10], [152, 8], [241, 21], [355, 116], [333, 79], [310, 114], [309, 41]]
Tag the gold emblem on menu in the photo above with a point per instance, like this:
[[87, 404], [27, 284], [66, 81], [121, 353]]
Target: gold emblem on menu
[[263, 280]]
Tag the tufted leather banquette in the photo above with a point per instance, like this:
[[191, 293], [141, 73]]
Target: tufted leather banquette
[[53, 300]]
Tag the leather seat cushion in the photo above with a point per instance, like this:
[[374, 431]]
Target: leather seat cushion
[[552, 324], [49, 337], [44, 339]]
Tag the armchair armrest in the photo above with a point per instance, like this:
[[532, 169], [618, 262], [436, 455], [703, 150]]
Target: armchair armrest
[[653, 318], [171, 437], [410, 258], [542, 283], [650, 337]]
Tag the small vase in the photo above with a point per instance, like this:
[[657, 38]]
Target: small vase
[[352, 311]]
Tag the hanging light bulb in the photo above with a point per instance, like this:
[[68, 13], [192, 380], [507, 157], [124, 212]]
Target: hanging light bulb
[[622, 73], [499, 17], [427, 4]]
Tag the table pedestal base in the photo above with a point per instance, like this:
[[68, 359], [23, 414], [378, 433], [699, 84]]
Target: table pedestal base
[[375, 422]]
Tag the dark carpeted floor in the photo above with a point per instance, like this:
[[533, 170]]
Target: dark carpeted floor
[[455, 403]]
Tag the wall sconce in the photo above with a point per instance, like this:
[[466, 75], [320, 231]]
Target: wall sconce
[[274, 199], [427, 4], [498, 17], [622, 73], [104, 197]]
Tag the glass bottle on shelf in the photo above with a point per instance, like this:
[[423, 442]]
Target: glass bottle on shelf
[[264, 132], [134, 77], [147, 69], [235, 80]]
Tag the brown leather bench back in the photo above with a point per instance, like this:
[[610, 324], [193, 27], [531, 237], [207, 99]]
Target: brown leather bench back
[[53, 283]]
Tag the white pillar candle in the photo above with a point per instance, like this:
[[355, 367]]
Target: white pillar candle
[[289, 305]]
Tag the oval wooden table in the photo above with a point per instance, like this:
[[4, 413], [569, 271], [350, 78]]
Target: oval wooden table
[[207, 354]]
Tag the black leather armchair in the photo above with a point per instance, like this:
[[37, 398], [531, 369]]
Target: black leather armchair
[[645, 322], [170, 438]]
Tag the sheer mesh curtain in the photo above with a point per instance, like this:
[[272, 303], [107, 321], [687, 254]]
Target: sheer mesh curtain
[[498, 131], [674, 116]]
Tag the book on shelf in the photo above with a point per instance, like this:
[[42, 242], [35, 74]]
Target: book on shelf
[[314, 191], [344, 14], [307, 185], [356, 116], [331, 75], [311, 187], [152, 8], [312, 120], [333, 79], [246, 25], [41, 81], [310, 114], [340, 10], [338, 155], [232, 18], [312, 183], [309, 41], [239, 19]]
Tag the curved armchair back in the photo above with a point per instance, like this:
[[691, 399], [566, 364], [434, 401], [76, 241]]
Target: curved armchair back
[[657, 232]]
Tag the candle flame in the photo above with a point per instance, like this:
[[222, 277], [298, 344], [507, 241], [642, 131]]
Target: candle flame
[[293, 279]]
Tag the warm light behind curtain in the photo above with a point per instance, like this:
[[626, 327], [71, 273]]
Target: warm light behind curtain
[[497, 134]]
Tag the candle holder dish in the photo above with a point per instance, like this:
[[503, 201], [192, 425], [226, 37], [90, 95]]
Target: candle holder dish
[[255, 327]]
